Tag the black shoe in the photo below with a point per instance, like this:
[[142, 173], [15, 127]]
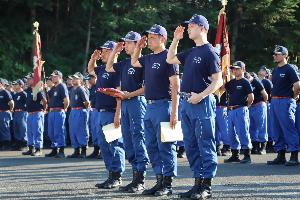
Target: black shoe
[[293, 160], [235, 157], [101, 185], [270, 148], [226, 150], [95, 153], [262, 150], [166, 189], [255, 148], [194, 190], [114, 182], [279, 160], [139, 184], [127, 187], [219, 153], [83, 152], [37, 152], [100, 157], [247, 157], [5, 146], [61, 153], [205, 192], [53, 153], [29, 152], [180, 152], [156, 187], [76, 153]]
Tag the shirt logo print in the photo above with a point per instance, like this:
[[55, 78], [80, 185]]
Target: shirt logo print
[[282, 75], [1, 97], [155, 66], [76, 97], [197, 60], [55, 94], [131, 71], [105, 76], [18, 98], [239, 87]]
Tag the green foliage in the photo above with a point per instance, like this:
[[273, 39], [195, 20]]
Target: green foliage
[[64, 28]]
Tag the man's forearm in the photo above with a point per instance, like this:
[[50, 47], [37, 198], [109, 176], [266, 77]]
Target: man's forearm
[[172, 50], [91, 65], [214, 86], [136, 54], [66, 103], [138, 92]]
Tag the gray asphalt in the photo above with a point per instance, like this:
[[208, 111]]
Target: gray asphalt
[[26, 177]]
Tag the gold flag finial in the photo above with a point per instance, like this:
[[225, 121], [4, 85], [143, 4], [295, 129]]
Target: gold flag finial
[[36, 27], [224, 3]]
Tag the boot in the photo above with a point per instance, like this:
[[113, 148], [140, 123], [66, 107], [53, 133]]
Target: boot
[[139, 184], [83, 152], [61, 153], [115, 181], [205, 192], [180, 152], [226, 150], [53, 153], [270, 148], [101, 185], [5, 145], [293, 160], [100, 156], [279, 160], [133, 182], [219, 153], [194, 190], [262, 150], [166, 189], [37, 152], [255, 148], [76, 153], [247, 158], [95, 153], [235, 157], [29, 152], [156, 187]]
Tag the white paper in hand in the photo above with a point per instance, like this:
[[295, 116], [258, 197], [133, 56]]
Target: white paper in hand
[[171, 135], [111, 133]]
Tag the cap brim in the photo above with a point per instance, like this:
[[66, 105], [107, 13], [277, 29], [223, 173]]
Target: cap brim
[[235, 67], [127, 40]]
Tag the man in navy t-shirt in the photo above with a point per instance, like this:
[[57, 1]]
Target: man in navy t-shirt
[[162, 107], [201, 77], [78, 119], [258, 116], [20, 115], [109, 110], [58, 104], [6, 107], [240, 98], [286, 89], [133, 108]]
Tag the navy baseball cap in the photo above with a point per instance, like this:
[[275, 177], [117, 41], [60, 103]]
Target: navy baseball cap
[[131, 37], [199, 20], [108, 45], [56, 73], [70, 77], [18, 82], [78, 75], [158, 30], [2, 81], [281, 50], [238, 65]]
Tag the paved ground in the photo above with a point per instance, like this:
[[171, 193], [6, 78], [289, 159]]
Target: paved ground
[[49, 178]]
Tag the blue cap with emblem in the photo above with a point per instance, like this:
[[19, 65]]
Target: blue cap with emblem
[[108, 45], [238, 65], [158, 30], [199, 20], [131, 37], [56, 73], [281, 50], [18, 82], [78, 75]]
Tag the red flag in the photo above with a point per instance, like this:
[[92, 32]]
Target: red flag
[[222, 42], [111, 92], [37, 63]]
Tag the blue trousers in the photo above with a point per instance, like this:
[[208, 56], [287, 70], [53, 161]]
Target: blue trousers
[[133, 112], [298, 118], [5, 118], [285, 134], [56, 129], [20, 125], [162, 156], [258, 122], [221, 126], [78, 126], [198, 126], [35, 129], [238, 128], [113, 153], [94, 126], [180, 143]]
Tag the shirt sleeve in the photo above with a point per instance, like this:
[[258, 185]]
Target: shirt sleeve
[[142, 60], [117, 66], [173, 70], [97, 70], [8, 96], [248, 87], [213, 62], [293, 75], [83, 94], [259, 86], [117, 80], [64, 91], [182, 56]]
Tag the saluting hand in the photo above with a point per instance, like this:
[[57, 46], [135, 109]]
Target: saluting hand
[[142, 43], [178, 33], [195, 98], [96, 55], [119, 47]]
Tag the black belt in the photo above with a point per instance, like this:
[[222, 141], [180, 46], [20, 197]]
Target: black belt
[[233, 107], [149, 101], [106, 110]]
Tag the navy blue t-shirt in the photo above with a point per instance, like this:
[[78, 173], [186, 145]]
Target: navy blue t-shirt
[[131, 78], [33, 106], [257, 87], [222, 101], [92, 96], [78, 96], [199, 64], [20, 100], [57, 95], [283, 79], [157, 73], [238, 91], [5, 97], [268, 87], [106, 80]]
